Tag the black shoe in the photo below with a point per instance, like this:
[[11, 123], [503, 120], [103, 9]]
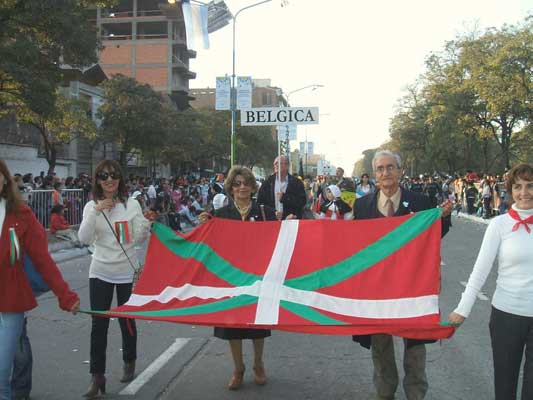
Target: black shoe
[[129, 372], [97, 386]]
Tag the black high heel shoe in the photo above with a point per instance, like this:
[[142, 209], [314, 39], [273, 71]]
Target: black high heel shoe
[[97, 386]]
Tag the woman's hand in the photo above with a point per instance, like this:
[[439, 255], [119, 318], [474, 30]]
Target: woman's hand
[[456, 319], [75, 308], [151, 216], [106, 204]]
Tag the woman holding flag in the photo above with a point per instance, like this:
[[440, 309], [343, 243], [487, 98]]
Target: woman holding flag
[[114, 223], [21, 233], [509, 238], [241, 185]]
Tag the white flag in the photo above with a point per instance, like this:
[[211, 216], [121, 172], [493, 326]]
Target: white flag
[[195, 16]]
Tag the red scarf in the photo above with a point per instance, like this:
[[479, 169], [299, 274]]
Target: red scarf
[[514, 215]]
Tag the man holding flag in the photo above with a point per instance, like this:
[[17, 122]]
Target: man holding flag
[[390, 200]]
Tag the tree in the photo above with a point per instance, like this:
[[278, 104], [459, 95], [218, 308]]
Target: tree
[[68, 121], [133, 115], [36, 38]]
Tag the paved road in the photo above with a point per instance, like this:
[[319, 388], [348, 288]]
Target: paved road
[[298, 366]]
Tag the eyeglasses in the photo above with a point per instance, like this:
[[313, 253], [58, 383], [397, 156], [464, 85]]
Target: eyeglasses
[[237, 184], [104, 176], [389, 168]]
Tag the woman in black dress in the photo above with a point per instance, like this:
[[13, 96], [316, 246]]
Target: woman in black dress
[[240, 185]]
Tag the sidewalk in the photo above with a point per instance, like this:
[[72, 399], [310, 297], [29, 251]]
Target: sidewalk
[[472, 218], [63, 250]]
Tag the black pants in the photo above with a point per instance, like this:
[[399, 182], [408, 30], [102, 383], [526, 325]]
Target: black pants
[[101, 295], [510, 334]]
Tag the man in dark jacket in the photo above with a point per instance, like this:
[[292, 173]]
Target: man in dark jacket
[[391, 200], [286, 196]]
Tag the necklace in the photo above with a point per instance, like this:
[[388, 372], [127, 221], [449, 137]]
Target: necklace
[[244, 210]]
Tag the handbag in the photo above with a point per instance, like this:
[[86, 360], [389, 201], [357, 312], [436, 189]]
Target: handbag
[[37, 283]]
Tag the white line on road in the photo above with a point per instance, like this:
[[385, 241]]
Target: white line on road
[[154, 368], [480, 295]]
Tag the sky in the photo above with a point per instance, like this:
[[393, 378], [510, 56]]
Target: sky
[[364, 53]]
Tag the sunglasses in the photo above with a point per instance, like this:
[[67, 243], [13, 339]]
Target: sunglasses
[[103, 176], [237, 184]]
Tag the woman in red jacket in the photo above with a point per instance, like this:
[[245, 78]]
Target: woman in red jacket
[[21, 233]]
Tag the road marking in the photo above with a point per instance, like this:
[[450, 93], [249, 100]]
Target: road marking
[[442, 263], [480, 295], [154, 368]]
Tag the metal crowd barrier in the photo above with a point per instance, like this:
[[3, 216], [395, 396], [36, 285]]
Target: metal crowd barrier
[[73, 199]]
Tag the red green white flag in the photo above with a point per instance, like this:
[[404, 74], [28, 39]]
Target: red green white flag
[[314, 276]]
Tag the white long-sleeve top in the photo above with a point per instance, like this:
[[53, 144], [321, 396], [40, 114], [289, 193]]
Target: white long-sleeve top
[[514, 285], [109, 262]]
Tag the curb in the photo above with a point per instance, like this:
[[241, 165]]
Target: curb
[[474, 218]]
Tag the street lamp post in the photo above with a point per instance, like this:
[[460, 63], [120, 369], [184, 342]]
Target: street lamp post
[[287, 95], [233, 98]]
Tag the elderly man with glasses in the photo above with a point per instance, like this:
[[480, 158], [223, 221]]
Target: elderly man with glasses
[[392, 200], [286, 195]]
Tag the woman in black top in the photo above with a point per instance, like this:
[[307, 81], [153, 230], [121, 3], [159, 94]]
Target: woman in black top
[[240, 185]]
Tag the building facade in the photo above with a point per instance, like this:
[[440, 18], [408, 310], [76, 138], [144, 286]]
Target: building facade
[[146, 40]]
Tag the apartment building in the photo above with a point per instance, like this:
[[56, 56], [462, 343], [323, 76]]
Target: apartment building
[[146, 40]]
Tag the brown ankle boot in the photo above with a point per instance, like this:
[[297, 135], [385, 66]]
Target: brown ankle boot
[[129, 372], [97, 386]]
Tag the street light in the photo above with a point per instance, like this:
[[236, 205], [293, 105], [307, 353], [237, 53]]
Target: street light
[[233, 94], [233, 98], [313, 87]]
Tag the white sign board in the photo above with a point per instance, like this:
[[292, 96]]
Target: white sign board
[[287, 131], [244, 92], [223, 93], [280, 116]]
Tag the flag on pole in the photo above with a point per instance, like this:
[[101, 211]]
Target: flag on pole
[[195, 16], [313, 276]]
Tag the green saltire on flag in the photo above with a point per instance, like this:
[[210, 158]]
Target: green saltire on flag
[[217, 275]]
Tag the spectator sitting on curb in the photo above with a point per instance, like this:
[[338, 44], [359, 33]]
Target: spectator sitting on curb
[[61, 228]]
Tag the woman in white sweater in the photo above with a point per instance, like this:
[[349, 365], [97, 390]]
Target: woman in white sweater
[[509, 238], [109, 218]]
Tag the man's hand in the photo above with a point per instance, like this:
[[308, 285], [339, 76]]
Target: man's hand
[[447, 208], [279, 195], [279, 215], [204, 217], [291, 216]]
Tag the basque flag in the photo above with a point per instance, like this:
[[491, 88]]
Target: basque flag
[[313, 276]]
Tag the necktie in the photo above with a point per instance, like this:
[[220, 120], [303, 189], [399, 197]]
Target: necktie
[[389, 207], [521, 221]]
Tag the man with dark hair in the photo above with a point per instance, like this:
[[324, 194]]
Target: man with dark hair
[[342, 182], [286, 196]]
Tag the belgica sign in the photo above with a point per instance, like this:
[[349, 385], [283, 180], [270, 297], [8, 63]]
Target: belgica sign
[[280, 116]]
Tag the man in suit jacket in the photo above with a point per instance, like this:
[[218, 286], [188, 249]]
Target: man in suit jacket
[[286, 196], [391, 200]]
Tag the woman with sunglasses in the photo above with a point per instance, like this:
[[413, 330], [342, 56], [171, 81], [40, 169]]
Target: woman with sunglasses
[[240, 185], [21, 233], [114, 223]]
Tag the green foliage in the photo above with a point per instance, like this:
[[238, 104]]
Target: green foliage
[[472, 109], [69, 120], [36, 37], [134, 116]]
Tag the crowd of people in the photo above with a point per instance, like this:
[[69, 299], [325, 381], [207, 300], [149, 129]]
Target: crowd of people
[[121, 210]]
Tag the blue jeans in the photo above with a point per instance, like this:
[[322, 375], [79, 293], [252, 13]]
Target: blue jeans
[[22, 367], [10, 330]]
